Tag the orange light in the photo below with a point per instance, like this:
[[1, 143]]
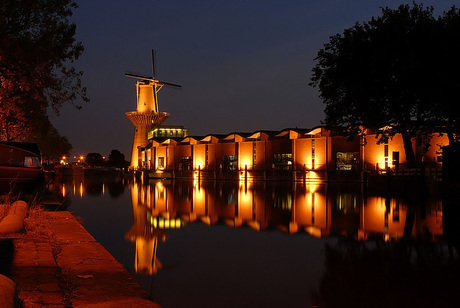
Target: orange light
[[198, 164], [81, 157]]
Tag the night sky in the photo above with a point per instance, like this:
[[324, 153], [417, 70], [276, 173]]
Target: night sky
[[243, 65]]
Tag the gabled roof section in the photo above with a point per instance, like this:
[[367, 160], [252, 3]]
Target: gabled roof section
[[292, 133], [315, 132], [260, 135], [236, 137], [212, 139], [191, 140], [169, 141]]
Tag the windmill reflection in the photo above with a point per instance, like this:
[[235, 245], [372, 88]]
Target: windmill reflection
[[318, 209]]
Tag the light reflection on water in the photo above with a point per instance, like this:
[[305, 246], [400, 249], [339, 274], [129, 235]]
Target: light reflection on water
[[267, 244]]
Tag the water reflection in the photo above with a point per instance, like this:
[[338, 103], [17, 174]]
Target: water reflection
[[272, 244], [320, 210], [64, 187]]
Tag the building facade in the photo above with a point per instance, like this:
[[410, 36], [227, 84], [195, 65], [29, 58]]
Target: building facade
[[291, 154]]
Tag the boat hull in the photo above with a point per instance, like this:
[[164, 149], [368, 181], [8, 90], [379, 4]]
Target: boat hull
[[16, 172]]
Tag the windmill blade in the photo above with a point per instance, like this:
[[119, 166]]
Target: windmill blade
[[153, 63], [169, 84], [138, 76]]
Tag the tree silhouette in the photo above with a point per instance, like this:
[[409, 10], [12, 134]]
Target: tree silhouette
[[117, 159], [94, 160], [37, 49], [391, 73]]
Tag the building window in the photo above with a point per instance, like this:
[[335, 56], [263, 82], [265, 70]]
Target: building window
[[254, 157], [230, 163], [385, 154], [185, 163], [282, 161], [347, 160], [161, 162], [313, 153], [396, 160]]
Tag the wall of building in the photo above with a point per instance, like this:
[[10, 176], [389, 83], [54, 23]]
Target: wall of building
[[374, 154], [279, 155]]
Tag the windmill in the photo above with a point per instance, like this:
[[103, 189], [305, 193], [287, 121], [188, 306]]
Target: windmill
[[147, 113]]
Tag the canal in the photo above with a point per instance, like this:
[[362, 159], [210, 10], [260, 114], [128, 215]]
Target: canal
[[274, 244]]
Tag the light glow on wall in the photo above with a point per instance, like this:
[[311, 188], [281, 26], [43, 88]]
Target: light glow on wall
[[381, 162], [199, 164], [244, 176], [245, 163]]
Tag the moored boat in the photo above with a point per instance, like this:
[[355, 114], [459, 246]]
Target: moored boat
[[20, 160]]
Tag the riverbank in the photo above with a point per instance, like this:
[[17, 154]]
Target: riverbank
[[55, 262]]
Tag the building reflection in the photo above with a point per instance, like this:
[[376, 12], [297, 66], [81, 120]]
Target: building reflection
[[318, 209]]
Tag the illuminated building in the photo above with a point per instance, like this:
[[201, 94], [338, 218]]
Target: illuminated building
[[290, 154], [391, 154]]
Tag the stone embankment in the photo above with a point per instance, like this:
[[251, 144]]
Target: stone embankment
[[55, 262]]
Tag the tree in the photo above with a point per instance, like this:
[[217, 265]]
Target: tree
[[117, 159], [37, 49], [385, 74], [52, 145], [446, 95], [94, 160]]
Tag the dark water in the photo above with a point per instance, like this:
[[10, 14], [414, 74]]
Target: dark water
[[271, 244]]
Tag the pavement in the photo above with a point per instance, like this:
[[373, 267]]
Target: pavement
[[55, 262]]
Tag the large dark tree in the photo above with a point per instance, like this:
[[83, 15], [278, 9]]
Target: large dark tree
[[94, 160], [446, 94], [37, 51], [117, 159], [387, 73]]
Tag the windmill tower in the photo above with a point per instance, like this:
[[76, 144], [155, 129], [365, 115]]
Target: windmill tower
[[147, 113]]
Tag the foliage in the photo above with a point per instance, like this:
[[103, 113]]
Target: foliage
[[52, 144], [37, 49], [117, 159], [389, 73], [94, 160]]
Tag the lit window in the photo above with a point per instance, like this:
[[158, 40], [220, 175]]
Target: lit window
[[161, 162]]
